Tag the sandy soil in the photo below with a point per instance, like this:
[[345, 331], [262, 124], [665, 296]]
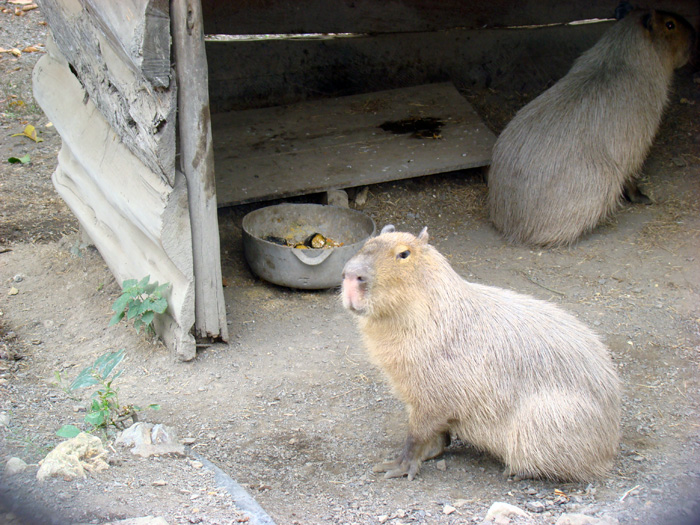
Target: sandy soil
[[290, 407]]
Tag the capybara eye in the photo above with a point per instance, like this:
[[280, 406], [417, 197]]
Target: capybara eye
[[670, 25], [404, 254]]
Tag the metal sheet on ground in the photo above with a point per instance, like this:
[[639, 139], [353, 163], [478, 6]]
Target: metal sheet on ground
[[276, 152]]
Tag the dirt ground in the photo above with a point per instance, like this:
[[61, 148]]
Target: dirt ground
[[290, 407]]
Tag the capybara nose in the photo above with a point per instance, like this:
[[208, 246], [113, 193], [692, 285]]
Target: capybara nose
[[350, 275], [355, 271]]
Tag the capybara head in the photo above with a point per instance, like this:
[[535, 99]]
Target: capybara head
[[385, 275], [671, 35]]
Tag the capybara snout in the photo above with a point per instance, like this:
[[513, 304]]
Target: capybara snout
[[355, 281]]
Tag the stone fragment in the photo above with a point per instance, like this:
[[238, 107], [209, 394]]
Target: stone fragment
[[14, 466], [151, 440], [503, 509], [361, 197], [535, 506], [73, 458], [337, 198]]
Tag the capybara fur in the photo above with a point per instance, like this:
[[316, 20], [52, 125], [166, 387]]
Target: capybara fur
[[568, 157], [510, 374]]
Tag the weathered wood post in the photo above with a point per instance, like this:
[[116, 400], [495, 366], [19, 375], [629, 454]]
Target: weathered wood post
[[197, 164], [105, 83]]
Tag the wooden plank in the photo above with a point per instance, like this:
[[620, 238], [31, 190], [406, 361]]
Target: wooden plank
[[263, 73], [197, 164], [137, 221], [141, 30], [142, 114], [379, 16], [337, 143]]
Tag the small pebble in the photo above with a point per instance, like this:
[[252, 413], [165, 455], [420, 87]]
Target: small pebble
[[14, 466], [535, 506]]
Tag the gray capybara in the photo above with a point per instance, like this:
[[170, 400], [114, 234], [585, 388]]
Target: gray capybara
[[512, 375], [568, 157]]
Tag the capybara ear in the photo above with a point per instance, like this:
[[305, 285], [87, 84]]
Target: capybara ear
[[423, 235], [623, 9], [389, 228], [648, 21]]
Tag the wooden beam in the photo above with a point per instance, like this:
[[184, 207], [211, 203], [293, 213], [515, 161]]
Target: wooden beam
[[398, 16], [141, 30], [114, 65], [137, 221], [197, 164], [264, 73]]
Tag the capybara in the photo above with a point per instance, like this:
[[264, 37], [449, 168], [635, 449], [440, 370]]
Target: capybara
[[566, 159], [510, 374]]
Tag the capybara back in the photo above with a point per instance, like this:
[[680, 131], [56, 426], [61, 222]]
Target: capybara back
[[565, 160]]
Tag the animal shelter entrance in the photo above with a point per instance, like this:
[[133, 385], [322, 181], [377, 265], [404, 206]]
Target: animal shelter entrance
[[161, 127], [343, 142]]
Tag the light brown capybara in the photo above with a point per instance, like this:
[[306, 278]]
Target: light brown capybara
[[568, 157], [510, 374]]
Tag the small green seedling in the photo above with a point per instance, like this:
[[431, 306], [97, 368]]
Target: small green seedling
[[140, 301], [104, 409]]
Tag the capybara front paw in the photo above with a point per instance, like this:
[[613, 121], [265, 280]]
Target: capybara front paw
[[398, 468]]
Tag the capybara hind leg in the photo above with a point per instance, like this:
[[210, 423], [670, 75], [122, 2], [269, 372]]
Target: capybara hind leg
[[413, 454], [556, 435], [632, 193]]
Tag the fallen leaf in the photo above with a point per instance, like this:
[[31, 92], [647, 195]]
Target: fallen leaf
[[15, 52], [23, 160], [29, 132], [21, 2], [30, 7], [31, 49], [13, 291]]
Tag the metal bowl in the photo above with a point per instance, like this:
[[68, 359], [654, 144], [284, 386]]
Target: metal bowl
[[308, 269]]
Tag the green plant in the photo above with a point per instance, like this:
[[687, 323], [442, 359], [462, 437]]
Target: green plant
[[104, 409], [140, 301]]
